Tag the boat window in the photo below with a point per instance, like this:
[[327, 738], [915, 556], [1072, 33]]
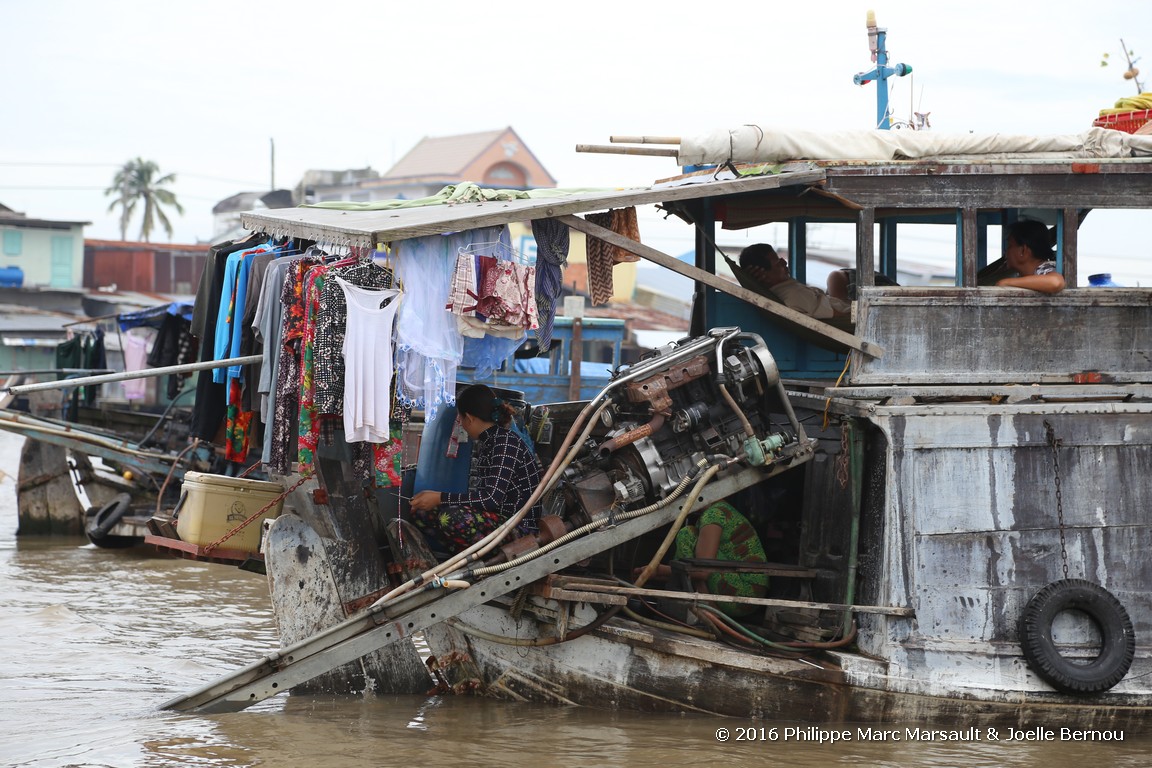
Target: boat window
[[1110, 242]]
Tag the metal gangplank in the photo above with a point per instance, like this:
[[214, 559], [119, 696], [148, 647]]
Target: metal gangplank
[[397, 621]]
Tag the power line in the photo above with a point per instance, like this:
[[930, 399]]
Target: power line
[[67, 165], [178, 174], [48, 187]]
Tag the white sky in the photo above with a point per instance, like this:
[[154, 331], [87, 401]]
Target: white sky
[[201, 87]]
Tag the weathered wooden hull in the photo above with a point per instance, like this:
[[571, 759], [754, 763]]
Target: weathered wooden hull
[[626, 665], [962, 521]]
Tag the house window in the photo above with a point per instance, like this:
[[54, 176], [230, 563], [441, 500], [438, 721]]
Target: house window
[[13, 242], [506, 175]]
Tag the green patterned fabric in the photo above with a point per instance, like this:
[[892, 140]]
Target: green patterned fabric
[[738, 542]]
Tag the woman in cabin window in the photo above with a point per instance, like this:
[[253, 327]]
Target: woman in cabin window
[[503, 474], [1028, 252]]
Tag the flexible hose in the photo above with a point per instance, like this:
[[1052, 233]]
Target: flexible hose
[[535, 642], [747, 633], [668, 626], [738, 411], [722, 627], [676, 525]]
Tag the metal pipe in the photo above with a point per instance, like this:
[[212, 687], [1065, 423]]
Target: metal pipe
[[128, 375], [632, 435], [56, 371]]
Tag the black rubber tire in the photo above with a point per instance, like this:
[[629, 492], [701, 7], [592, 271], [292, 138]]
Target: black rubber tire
[[107, 516], [1117, 637]]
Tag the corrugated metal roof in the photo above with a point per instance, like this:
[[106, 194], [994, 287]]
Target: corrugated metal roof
[[443, 155]]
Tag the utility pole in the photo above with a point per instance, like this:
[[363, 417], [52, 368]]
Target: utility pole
[[877, 41]]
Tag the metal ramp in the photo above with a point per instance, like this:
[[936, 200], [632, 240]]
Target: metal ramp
[[381, 626]]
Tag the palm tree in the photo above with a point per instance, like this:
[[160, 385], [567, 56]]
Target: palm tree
[[138, 181]]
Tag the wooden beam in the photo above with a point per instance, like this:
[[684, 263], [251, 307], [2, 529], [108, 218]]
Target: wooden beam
[[768, 305], [700, 597], [1071, 239], [968, 246], [866, 248]]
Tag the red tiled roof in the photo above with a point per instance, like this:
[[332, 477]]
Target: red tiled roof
[[443, 155]]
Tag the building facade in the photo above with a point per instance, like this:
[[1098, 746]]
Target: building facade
[[40, 253]]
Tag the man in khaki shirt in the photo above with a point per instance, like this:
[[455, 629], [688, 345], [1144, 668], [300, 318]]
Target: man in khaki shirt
[[763, 263]]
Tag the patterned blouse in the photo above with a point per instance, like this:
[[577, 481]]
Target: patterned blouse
[[504, 473]]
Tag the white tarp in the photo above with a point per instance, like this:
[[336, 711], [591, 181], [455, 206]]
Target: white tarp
[[759, 144]]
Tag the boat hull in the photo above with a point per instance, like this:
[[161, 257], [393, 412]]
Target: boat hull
[[630, 666]]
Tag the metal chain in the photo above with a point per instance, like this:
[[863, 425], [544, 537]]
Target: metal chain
[[1054, 443], [208, 548], [842, 458]]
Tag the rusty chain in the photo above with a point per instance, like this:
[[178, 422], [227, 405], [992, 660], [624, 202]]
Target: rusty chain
[[1054, 443]]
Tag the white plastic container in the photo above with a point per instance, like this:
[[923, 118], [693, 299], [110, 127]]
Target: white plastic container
[[216, 504]]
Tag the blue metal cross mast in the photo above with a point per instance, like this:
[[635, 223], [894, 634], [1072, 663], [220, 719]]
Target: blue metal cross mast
[[881, 72]]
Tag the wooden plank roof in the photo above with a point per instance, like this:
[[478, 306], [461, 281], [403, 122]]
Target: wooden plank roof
[[366, 228]]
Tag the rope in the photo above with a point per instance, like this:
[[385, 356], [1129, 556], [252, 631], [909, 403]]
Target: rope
[[828, 402], [171, 471], [254, 517]]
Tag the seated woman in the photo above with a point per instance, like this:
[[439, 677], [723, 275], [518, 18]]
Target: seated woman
[[720, 532], [503, 474], [1028, 252]]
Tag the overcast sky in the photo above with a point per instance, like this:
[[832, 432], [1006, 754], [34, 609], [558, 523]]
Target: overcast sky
[[202, 87]]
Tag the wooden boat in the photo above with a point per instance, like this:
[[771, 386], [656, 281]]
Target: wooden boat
[[953, 487]]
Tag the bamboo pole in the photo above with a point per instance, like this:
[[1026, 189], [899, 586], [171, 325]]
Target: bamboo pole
[[606, 149], [127, 375], [645, 140]]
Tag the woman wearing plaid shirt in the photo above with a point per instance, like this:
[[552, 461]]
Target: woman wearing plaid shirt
[[503, 474]]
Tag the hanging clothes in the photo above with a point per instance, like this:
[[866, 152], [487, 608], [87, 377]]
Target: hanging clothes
[[284, 405], [331, 324], [599, 255], [368, 362], [552, 242], [428, 344], [309, 435], [267, 326], [233, 299], [135, 359], [70, 354], [211, 397], [174, 345], [602, 256], [249, 343]]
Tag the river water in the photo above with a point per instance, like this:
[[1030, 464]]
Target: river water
[[93, 641]]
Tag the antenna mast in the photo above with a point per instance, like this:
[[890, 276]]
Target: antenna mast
[[877, 41]]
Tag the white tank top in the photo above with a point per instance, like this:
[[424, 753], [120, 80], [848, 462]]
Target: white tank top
[[368, 362]]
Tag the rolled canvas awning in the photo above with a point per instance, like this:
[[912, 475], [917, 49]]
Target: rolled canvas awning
[[763, 144]]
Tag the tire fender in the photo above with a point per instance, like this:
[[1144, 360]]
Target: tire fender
[[106, 517], [1118, 640]]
